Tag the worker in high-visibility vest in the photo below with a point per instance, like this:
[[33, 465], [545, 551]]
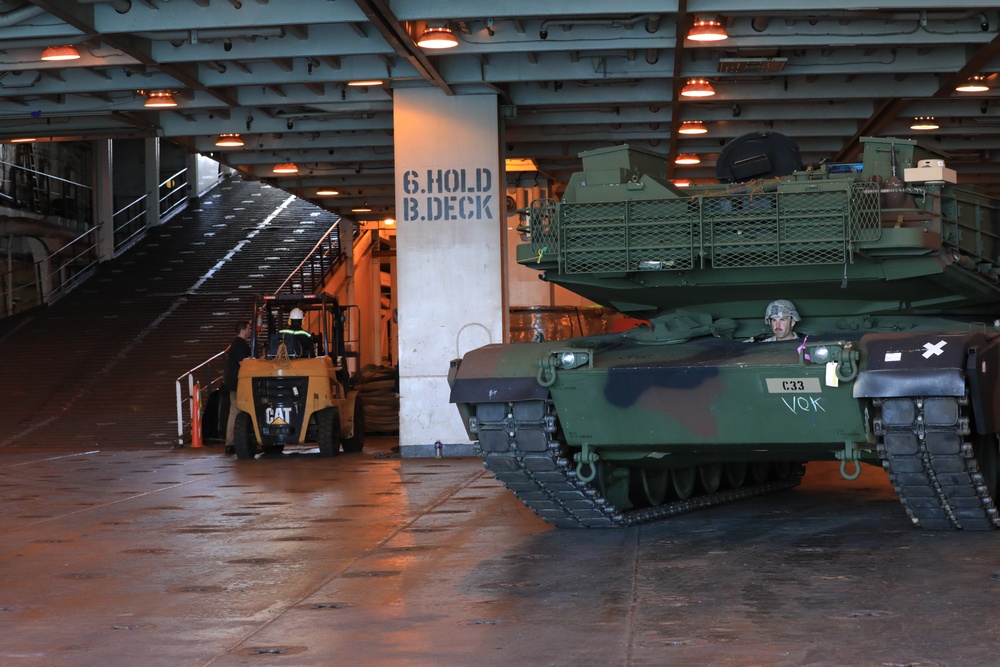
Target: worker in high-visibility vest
[[298, 342]]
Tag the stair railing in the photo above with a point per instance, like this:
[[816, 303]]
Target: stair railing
[[320, 262], [128, 224], [53, 276], [207, 377], [173, 193]]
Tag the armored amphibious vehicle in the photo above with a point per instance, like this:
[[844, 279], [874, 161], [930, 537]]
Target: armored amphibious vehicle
[[895, 272]]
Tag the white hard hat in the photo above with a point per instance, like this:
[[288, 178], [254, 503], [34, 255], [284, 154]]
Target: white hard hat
[[780, 308], [296, 314]]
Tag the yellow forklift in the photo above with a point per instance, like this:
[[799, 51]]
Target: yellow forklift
[[298, 387]]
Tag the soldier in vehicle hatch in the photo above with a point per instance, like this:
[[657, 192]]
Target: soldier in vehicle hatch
[[782, 317]]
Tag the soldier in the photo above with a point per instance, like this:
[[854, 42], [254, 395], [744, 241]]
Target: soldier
[[782, 317]]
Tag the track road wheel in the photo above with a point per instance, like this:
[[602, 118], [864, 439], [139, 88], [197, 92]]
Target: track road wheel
[[710, 475], [613, 481], [328, 432], [684, 480], [759, 471], [735, 474], [648, 487], [987, 455], [356, 442], [782, 470], [244, 440]]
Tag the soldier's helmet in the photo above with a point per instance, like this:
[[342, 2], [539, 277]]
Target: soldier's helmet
[[781, 308]]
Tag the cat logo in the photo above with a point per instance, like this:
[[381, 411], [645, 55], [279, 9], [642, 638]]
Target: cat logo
[[277, 416]]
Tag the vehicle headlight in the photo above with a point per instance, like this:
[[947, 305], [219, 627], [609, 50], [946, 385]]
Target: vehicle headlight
[[822, 354], [571, 358]]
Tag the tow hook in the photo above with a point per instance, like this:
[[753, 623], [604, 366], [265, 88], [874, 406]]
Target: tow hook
[[589, 458], [849, 453], [546, 371]]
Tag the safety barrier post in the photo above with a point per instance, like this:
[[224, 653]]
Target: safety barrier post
[[196, 416]]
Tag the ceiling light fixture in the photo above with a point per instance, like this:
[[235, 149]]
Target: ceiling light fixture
[[682, 183], [707, 30], [520, 164], [924, 123], [229, 140], [327, 192], [60, 53], [692, 127], [361, 209], [437, 37], [285, 168], [698, 88], [365, 82], [687, 158], [975, 84], [23, 140], [160, 99]]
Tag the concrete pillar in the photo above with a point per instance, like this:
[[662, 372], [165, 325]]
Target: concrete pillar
[[152, 152], [449, 212], [103, 200]]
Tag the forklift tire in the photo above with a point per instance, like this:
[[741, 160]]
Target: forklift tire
[[356, 442], [244, 439], [328, 432]]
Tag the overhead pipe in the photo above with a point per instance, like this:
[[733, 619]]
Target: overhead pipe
[[178, 37], [120, 6], [19, 15], [543, 32], [922, 16]]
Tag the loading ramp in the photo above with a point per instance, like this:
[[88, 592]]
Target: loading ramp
[[95, 369]]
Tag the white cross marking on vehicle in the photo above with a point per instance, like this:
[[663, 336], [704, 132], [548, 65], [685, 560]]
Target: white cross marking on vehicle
[[933, 349]]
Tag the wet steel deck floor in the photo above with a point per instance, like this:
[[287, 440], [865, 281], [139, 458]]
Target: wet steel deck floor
[[189, 557]]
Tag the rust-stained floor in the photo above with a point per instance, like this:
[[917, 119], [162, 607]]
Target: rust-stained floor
[[190, 558]]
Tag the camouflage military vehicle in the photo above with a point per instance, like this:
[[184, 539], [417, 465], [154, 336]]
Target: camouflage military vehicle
[[893, 268]]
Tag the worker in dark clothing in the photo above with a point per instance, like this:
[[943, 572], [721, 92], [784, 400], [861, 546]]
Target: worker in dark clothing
[[239, 350]]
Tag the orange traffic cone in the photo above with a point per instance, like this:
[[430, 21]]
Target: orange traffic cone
[[196, 417]]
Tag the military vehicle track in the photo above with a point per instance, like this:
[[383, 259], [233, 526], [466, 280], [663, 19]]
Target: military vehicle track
[[522, 452], [944, 481]]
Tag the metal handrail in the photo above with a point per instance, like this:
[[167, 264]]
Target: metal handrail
[[172, 192], [81, 272], [319, 255], [133, 227], [47, 176], [38, 189], [208, 388], [81, 263]]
